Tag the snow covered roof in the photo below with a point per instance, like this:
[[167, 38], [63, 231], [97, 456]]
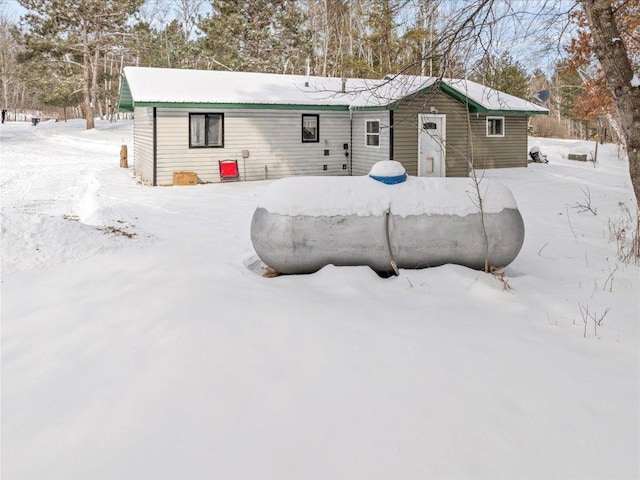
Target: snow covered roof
[[145, 86], [491, 99], [480, 97]]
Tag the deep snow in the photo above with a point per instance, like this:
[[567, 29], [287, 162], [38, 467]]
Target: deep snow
[[140, 341]]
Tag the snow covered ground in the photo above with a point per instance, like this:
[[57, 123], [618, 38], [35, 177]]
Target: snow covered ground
[[138, 341]]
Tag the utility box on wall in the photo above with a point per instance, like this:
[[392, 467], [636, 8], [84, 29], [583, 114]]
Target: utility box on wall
[[185, 178]]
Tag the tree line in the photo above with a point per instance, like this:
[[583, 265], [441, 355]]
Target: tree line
[[71, 54]]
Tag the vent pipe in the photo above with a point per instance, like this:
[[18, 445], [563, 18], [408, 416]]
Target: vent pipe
[[344, 85]]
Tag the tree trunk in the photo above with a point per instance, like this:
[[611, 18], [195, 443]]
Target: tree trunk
[[95, 101], [86, 77], [614, 59]]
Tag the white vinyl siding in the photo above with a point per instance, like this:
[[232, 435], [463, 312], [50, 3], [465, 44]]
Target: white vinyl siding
[[272, 138], [143, 144], [364, 157]]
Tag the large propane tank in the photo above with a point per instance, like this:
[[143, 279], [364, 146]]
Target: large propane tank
[[385, 220]]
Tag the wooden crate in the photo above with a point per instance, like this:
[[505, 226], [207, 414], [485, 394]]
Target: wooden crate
[[581, 157], [185, 178]]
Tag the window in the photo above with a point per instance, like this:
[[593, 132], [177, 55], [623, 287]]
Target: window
[[310, 128], [206, 130], [495, 126], [372, 133]]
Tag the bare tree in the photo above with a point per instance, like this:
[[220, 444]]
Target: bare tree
[[188, 13], [8, 52], [616, 64]]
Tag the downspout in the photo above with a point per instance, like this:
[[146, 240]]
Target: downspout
[[155, 148], [350, 141], [390, 134]]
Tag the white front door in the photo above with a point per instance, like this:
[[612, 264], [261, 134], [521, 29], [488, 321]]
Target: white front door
[[431, 145]]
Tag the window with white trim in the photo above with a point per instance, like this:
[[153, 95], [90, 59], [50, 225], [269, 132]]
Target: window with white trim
[[372, 133], [206, 130], [495, 126]]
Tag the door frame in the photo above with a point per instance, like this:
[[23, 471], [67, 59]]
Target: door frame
[[421, 116]]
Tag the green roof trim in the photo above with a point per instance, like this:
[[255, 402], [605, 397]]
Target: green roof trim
[[125, 103], [239, 106], [512, 112], [377, 108], [474, 107]]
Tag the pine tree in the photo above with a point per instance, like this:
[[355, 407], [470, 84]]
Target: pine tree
[[256, 35], [566, 87], [418, 40], [383, 39], [503, 73], [338, 30], [61, 90], [77, 33]]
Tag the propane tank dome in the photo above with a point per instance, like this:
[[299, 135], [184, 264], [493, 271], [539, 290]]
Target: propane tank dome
[[389, 172]]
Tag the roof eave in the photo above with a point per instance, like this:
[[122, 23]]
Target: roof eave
[[372, 108], [475, 107], [516, 112], [240, 106]]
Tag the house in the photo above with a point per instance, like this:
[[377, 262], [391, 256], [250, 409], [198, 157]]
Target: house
[[276, 126]]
